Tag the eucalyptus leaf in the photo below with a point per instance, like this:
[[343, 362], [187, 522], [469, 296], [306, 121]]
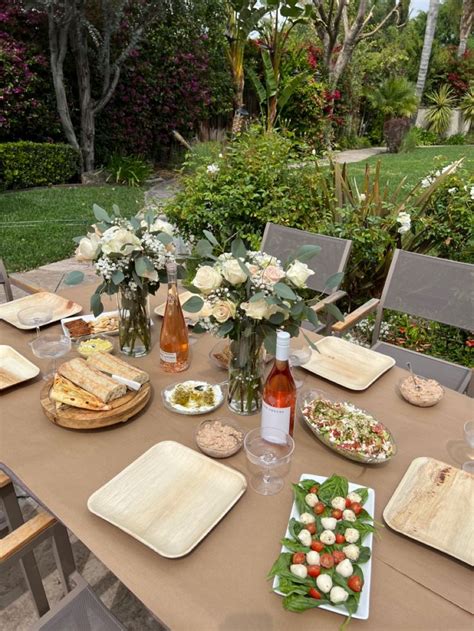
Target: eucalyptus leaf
[[141, 266], [118, 277], [210, 237], [193, 304], [334, 281], [270, 343], [238, 248], [96, 304], [134, 223], [311, 316], [78, 239], [198, 328], [203, 248], [258, 296], [311, 343], [165, 238], [100, 214], [277, 318], [334, 311], [116, 210], [225, 328], [284, 291], [304, 253], [73, 278]]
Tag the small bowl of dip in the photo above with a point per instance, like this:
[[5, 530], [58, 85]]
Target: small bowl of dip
[[219, 437], [96, 343], [421, 391]]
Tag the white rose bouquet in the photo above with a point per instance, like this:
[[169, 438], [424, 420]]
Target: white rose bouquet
[[247, 296], [130, 255]]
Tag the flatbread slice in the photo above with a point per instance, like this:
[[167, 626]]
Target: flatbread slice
[[116, 366], [65, 392], [92, 380]]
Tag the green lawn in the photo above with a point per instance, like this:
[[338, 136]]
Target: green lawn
[[415, 165], [37, 226]]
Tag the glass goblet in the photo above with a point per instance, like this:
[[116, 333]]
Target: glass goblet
[[300, 354], [35, 316], [51, 346], [268, 452]]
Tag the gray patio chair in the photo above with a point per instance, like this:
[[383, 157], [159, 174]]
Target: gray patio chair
[[79, 609], [429, 287], [281, 241], [7, 281]]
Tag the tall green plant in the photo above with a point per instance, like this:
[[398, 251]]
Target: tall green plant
[[438, 115], [394, 97], [467, 106]]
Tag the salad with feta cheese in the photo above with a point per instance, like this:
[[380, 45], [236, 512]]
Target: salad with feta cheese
[[323, 551], [348, 429]]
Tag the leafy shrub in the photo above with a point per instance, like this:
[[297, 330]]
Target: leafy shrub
[[410, 141], [129, 170], [259, 178], [455, 139], [424, 137], [467, 106], [440, 108], [24, 164]]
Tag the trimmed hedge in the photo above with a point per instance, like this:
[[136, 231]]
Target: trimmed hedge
[[25, 164]]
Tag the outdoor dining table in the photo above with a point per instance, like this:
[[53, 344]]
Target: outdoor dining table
[[222, 583]]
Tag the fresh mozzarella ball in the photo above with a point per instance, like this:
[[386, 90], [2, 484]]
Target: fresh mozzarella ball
[[349, 515], [324, 583], [305, 537], [327, 537], [344, 568], [354, 497], [311, 499], [329, 523], [338, 595], [339, 503], [351, 535], [299, 570], [312, 558], [351, 551], [307, 518]]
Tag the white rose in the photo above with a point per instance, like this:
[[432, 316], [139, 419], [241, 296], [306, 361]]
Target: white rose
[[88, 248], [223, 310], [159, 225], [272, 274], [207, 279], [258, 309], [118, 240], [299, 273], [233, 273]]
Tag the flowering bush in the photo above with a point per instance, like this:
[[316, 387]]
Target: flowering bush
[[248, 292], [129, 254]]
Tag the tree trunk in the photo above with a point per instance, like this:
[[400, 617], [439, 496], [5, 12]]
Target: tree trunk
[[427, 45], [465, 26], [86, 104]]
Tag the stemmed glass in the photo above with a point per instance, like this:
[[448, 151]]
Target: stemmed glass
[[51, 346], [268, 452], [469, 438], [35, 316], [300, 354]]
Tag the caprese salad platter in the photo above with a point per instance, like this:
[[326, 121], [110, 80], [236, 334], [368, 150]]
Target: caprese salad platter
[[325, 559]]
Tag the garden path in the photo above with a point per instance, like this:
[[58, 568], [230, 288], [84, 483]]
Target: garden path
[[357, 155]]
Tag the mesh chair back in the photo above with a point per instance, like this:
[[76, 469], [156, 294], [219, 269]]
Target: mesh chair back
[[432, 288], [281, 241]]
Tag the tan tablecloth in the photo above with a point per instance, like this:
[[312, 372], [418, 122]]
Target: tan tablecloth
[[221, 584]]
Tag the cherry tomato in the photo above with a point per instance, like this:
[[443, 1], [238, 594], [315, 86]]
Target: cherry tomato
[[355, 583], [314, 570], [313, 592], [317, 546], [336, 513], [319, 508], [298, 558], [314, 489], [340, 538], [311, 528], [356, 507], [338, 556], [326, 560], [348, 502]]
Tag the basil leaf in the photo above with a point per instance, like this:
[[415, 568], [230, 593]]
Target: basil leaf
[[295, 527], [364, 494], [288, 587], [281, 564], [308, 484], [298, 603], [335, 486], [294, 546], [300, 494], [364, 554]]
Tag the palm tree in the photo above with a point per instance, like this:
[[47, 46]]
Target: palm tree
[[467, 18], [427, 45]]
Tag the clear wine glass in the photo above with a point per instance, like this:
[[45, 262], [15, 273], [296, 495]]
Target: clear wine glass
[[469, 438], [268, 452], [51, 346], [35, 316], [300, 354]]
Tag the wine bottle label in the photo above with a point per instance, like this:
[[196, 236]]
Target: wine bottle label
[[168, 357], [278, 418]]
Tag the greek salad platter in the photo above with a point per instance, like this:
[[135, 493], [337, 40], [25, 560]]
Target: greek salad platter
[[326, 554]]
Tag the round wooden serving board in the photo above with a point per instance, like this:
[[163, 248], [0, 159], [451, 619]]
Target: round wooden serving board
[[76, 418]]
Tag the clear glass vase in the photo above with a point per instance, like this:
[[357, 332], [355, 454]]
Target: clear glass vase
[[134, 322], [246, 366]]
